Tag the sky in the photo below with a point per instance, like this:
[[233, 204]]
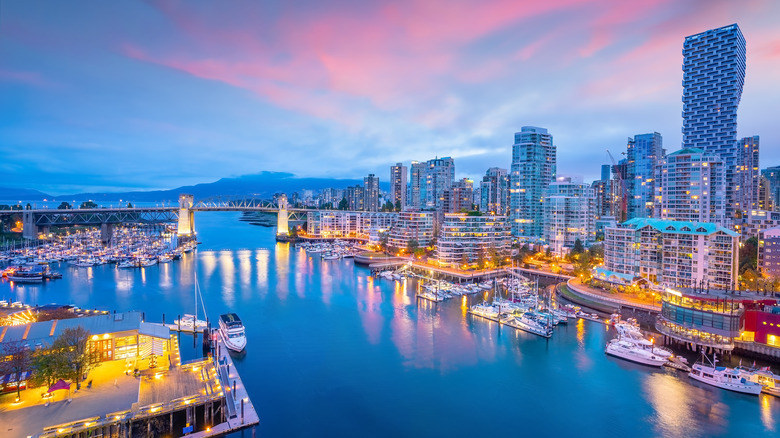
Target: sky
[[132, 95]]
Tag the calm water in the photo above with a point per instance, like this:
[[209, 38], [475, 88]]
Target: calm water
[[334, 353]]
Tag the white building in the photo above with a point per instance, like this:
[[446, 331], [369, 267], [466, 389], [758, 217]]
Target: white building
[[335, 223], [466, 240], [533, 169], [411, 225], [398, 185], [568, 214], [672, 254]]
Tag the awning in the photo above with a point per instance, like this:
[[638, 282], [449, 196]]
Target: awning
[[61, 384], [155, 330]]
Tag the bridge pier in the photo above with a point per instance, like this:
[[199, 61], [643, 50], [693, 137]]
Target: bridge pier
[[106, 231], [186, 226], [29, 229], [282, 220]]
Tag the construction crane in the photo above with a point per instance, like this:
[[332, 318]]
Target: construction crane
[[623, 213]]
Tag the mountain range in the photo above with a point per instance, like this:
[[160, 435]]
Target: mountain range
[[260, 185]]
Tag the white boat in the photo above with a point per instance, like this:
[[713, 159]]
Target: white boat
[[26, 276], [148, 262], [232, 331], [165, 258], [330, 256], [764, 377], [430, 296], [85, 263], [127, 264], [487, 311], [527, 324], [634, 353], [723, 377], [631, 333]]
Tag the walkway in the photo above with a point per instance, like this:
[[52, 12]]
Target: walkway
[[621, 300]]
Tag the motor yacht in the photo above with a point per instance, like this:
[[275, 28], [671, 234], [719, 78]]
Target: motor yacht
[[723, 377], [634, 353], [232, 331]]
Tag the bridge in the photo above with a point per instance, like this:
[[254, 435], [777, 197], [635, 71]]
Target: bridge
[[40, 220]]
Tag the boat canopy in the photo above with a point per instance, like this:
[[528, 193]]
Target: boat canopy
[[230, 320]]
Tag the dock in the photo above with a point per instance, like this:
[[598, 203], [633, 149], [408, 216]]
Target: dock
[[200, 398]]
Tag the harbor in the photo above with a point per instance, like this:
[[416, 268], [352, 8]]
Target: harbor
[[359, 342]]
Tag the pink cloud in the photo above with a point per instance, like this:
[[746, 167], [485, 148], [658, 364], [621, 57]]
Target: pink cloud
[[25, 77]]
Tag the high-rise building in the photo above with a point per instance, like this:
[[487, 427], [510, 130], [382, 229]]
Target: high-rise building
[[457, 198], [691, 187], [533, 169], [494, 192], [416, 181], [765, 201], [568, 217], [605, 172], [603, 198], [746, 175], [330, 197], [772, 175], [398, 177], [642, 155], [713, 76], [371, 193], [355, 198], [411, 225], [438, 176]]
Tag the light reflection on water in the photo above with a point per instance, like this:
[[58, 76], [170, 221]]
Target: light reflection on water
[[335, 352]]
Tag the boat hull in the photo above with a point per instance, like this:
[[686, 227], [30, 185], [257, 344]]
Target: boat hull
[[735, 387]]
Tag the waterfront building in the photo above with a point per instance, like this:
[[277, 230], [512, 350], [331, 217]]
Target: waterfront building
[[691, 187], [398, 176], [643, 153], [438, 176], [700, 320], [355, 196], [714, 65], [473, 240], [600, 224], [532, 171], [568, 207], [746, 177], [371, 193], [772, 176], [411, 225], [457, 198], [674, 254], [338, 224], [416, 181], [769, 252], [757, 221], [494, 192]]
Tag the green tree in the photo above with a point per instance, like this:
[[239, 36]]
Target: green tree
[[326, 206], [388, 206], [49, 368], [343, 204], [578, 247], [383, 239], [28, 206], [398, 205], [88, 204], [129, 205], [596, 251], [748, 255], [412, 245], [18, 359], [73, 347], [64, 206]]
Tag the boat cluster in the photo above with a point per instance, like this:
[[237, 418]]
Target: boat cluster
[[129, 247], [334, 250]]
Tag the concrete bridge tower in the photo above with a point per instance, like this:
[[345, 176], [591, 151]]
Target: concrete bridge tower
[[186, 228], [282, 229]]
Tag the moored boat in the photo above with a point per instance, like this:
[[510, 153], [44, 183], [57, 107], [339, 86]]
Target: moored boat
[[723, 377], [232, 331], [629, 351]]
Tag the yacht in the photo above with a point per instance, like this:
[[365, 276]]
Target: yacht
[[634, 353], [526, 323], [631, 333], [190, 323], [487, 311], [764, 377], [430, 296], [26, 275], [232, 330], [723, 377]]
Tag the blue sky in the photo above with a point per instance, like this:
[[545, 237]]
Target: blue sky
[[120, 95]]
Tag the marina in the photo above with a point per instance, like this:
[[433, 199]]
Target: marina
[[381, 342]]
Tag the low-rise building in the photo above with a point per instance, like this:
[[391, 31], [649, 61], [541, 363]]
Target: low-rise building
[[336, 224], [411, 225], [468, 240], [673, 253]]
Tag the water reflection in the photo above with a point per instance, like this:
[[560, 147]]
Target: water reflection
[[766, 412], [262, 258], [282, 264], [228, 270], [683, 409]]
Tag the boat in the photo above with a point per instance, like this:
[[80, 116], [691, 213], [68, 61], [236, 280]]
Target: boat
[[526, 323], [330, 256], [232, 331], [190, 323], [629, 351], [127, 264], [485, 310], [769, 381], [723, 377], [26, 275], [631, 333]]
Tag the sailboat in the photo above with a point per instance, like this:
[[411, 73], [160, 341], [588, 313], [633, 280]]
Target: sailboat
[[188, 322]]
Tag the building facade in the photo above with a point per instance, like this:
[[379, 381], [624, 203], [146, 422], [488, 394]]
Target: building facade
[[398, 175], [355, 197], [371, 193], [459, 197], [416, 181], [411, 225], [643, 153], [494, 192], [747, 176], [769, 252], [691, 187], [338, 224], [473, 241], [438, 176], [772, 177], [568, 217], [674, 254], [533, 169]]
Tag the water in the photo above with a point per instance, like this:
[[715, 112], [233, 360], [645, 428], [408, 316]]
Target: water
[[332, 352]]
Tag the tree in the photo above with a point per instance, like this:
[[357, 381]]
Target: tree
[[88, 204], [28, 206], [343, 204], [17, 360], [388, 206], [748, 255], [596, 251], [129, 205], [73, 347], [383, 239], [398, 205], [326, 206], [578, 248], [64, 206], [49, 368], [412, 245]]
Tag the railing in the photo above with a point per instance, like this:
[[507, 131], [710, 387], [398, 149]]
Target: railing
[[664, 330]]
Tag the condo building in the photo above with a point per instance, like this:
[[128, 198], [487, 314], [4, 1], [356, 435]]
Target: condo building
[[411, 225], [533, 169], [691, 187], [494, 192], [568, 214], [469, 240], [398, 175]]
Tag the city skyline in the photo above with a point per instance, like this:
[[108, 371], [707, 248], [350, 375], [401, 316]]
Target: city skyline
[[145, 103]]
